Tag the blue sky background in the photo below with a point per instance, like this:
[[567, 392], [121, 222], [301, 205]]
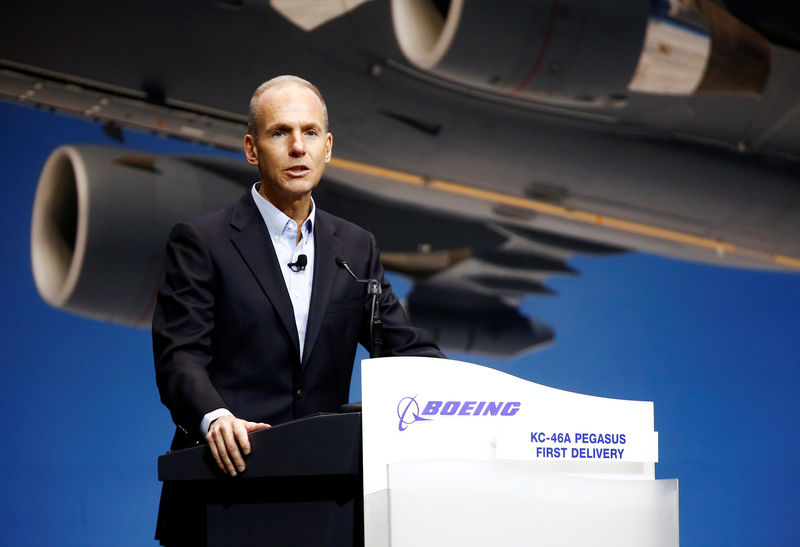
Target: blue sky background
[[715, 349]]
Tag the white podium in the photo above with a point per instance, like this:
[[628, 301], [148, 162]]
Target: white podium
[[459, 454]]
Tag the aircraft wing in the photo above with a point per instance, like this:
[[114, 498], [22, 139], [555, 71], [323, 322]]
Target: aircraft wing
[[469, 275], [516, 136]]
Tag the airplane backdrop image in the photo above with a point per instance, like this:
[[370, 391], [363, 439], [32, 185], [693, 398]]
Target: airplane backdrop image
[[490, 146]]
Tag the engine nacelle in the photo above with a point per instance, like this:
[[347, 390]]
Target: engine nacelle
[[583, 51], [101, 217]]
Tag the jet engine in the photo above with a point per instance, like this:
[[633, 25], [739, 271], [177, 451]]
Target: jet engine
[[101, 217], [583, 51]]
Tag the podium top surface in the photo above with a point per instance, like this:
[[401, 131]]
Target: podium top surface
[[324, 444]]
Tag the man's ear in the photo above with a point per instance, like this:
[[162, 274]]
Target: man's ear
[[328, 147], [250, 151]]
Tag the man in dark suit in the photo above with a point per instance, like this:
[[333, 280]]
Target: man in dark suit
[[244, 335]]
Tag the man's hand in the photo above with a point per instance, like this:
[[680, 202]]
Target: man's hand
[[227, 438]]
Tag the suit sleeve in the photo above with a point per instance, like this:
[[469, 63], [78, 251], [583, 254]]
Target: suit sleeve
[[183, 322], [400, 337]]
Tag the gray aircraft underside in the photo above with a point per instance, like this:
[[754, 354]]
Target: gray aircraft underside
[[485, 143]]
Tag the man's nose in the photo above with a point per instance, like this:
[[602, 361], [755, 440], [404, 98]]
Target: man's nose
[[297, 147]]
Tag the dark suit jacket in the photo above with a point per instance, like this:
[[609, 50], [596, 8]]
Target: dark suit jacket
[[224, 333]]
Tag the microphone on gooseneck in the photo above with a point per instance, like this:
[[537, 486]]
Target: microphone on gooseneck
[[342, 263], [299, 265], [373, 287]]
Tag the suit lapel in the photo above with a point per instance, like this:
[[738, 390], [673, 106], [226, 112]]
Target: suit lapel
[[253, 243], [326, 247]]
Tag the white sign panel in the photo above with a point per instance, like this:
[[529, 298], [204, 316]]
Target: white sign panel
[[420, 408], [441, 437]]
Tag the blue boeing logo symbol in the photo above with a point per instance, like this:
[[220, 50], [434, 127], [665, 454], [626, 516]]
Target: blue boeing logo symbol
[[408, 412]]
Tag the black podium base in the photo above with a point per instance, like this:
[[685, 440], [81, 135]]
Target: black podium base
[[303, 486]]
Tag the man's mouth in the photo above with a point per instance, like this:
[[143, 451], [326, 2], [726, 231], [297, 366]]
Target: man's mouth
[[297, 170]]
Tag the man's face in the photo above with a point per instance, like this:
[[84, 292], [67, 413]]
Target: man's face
[[292, 146]]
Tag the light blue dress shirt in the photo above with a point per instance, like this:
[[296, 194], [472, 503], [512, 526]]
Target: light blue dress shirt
[[283, 235]]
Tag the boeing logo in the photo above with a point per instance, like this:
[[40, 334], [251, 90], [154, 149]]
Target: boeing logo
[[408, 410]]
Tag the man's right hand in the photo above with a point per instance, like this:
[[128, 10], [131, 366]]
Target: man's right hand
[[227, 438]]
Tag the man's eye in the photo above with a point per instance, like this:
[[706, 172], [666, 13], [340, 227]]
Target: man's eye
[[311, 133], [278, 133]]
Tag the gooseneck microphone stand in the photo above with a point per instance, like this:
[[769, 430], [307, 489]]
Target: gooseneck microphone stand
[[375, 325]]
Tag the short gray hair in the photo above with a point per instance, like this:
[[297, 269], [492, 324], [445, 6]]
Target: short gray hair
[[253, 114]]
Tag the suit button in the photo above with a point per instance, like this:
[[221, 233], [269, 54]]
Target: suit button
[[298, 393]]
